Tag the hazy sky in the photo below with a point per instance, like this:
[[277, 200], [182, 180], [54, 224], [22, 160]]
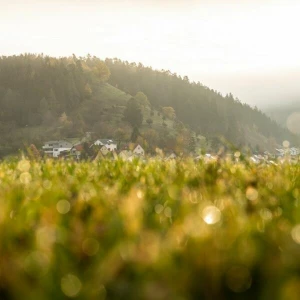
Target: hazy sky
[[249, 48]]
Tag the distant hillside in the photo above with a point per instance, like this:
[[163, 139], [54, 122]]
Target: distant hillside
[[44, 98], [203, 109], [48, 98], [285, 115]]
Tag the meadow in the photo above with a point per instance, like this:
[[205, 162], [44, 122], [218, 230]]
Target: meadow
[[149, 230]]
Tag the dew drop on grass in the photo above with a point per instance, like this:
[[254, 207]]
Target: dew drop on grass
[[36, 263], [139, 194], [70, 285], [47, 184], [168, 212], [63, 206], [23, 165], [158, 208], [266, 214], [25, 178], [251, 193], [295, 233], [211, 215], [45, 236]]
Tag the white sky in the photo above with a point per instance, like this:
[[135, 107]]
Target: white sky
[[249, 48]]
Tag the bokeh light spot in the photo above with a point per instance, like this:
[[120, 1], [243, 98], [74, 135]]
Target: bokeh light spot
[[47, 184], [70, 285], [23, 165], [36, 264], [293, 122], [158, 208], [266, 214], [295, 233], [63, 206], [140, 194], [251, 193], [25, 178], [211, 215], [286, 144], [168, 212]]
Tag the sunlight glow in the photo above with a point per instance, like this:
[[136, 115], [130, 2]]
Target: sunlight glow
[[214, 42], [211, 215]]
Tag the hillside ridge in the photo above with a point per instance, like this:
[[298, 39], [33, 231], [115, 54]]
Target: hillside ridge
[[43, 97]]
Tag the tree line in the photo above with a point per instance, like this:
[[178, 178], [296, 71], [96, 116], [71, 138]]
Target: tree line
[[205, 110], [63, 94]]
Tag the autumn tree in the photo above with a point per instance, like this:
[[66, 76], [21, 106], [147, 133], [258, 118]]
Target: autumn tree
[[169, 112], [63, 119], [120, 135], [101, 71], [152, 138], [88, 91], [33, 152], [142, 99]]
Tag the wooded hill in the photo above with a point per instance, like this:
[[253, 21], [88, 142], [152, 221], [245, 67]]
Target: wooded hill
[[287, 115], [205, 110], [43, 97]]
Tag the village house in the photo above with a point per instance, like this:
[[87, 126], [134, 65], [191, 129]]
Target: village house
[[55, 148], [125, 154], [104, 150], [109, 144], [76, 151], [294, 151], [280, 152], [138, 150], [288, 151], [73, 148]]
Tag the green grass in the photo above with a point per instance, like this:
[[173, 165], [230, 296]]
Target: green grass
[[149, 230], [157, 121], [110, 95]]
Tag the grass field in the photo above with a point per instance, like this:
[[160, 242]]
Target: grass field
[[149, 230]]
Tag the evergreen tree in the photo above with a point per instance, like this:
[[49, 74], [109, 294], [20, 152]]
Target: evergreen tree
[[135, 134], [44, 106], [73, 94], [149, 122], [192, 143], [133, 114], [52, 101]]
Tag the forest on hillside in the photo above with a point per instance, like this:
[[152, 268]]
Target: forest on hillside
[[204, 109], [38, 92], [36, 89], [44, 97]]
